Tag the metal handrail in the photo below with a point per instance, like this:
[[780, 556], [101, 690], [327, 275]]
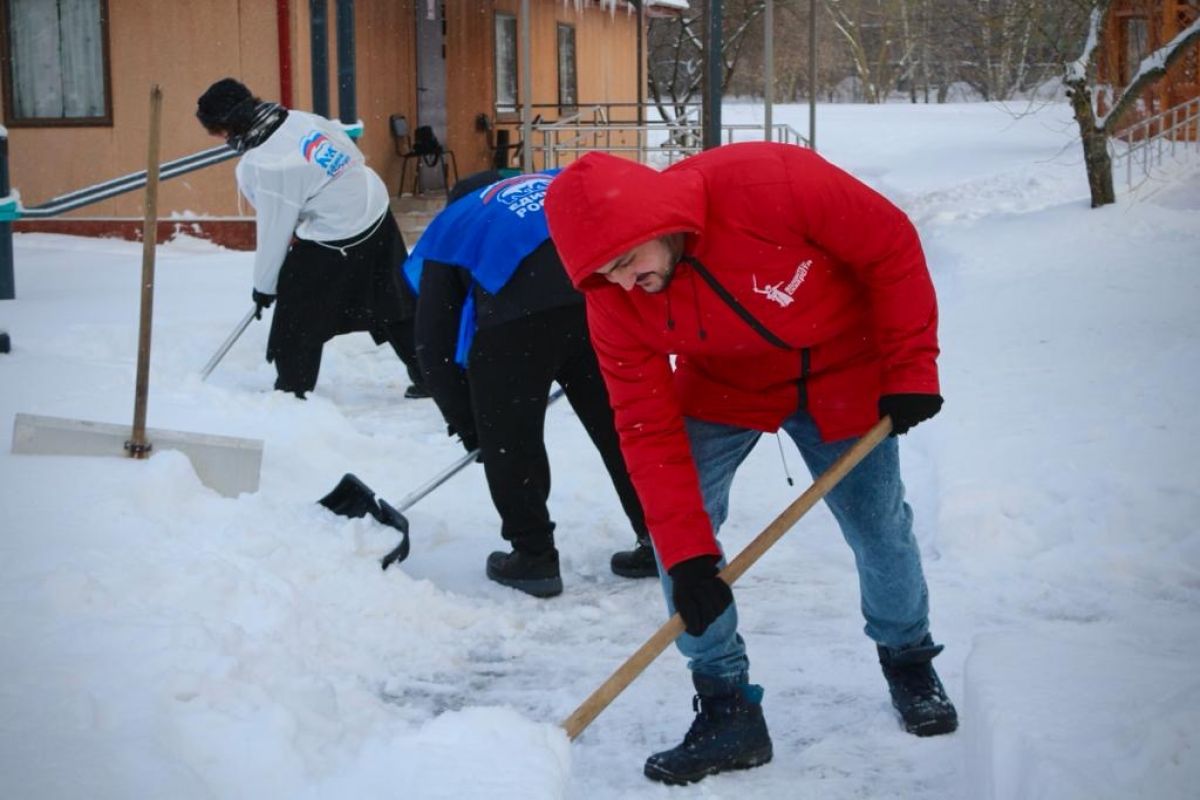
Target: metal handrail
[[1176, 129], [127, 183], [673, 139]]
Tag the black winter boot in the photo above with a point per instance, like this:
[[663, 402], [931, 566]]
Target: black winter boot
[[916, 691], [636, 563], [729, 733], [532, 573]]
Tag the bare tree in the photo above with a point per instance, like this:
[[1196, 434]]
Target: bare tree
[[1083, 90], [675, 51], [877, 34]]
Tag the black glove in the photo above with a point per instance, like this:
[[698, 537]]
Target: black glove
[[261, 301], [469, 440], [906, 410], [699, 595]]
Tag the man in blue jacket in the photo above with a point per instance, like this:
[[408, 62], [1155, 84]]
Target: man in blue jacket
[[497, 322]]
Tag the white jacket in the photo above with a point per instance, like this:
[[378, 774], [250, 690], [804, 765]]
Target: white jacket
[[309, 179]]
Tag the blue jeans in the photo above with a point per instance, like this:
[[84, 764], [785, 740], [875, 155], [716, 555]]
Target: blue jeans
[[868, 505]]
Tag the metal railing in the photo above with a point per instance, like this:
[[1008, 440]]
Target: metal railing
[[613, 127], [127, 183], [1171, 134], [659, 142]]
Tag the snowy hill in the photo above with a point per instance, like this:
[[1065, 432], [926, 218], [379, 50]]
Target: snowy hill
[[157, 640]]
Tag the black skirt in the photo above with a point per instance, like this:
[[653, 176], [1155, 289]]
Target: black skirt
[[330, 288]]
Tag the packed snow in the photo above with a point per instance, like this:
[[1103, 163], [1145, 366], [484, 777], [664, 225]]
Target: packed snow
[[158, 640]]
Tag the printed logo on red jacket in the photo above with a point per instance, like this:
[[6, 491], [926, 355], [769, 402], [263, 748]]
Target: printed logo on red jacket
[[317, 149], [780, 293]]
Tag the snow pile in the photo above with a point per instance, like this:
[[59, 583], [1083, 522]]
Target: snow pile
[[1096, 718], [157, 640]]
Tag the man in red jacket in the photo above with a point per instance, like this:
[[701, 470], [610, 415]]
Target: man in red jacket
[[792, 296]]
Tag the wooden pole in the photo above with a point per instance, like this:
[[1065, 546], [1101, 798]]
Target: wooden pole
[[137, 446], [637, 663], [768, 70]]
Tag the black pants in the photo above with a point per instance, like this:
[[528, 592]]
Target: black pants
[[325, 291], [511, 368]]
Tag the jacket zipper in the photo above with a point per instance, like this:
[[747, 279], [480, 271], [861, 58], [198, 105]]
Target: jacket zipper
[[802, 381], [759, 328]]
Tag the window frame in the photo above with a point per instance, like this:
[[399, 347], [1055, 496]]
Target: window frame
[[11, 120], [573, 105], [505, 110], [1135, 30]]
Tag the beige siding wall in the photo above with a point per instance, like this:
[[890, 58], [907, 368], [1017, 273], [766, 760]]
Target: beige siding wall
[[185, 46], [152, 41]]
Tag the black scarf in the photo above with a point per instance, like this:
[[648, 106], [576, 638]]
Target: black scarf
[[266, 120]]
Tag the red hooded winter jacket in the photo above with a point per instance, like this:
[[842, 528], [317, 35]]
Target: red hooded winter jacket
[[800, 287]]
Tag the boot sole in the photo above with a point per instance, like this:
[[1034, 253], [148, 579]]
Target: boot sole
[[537, 587], [636, 573], [657, 773], [935, 727]]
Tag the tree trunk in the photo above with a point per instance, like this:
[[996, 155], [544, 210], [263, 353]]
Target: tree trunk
[[1095, 146]]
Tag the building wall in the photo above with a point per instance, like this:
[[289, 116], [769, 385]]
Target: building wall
[[195, 43], [606, 64], [1164, 19], [151, 41]]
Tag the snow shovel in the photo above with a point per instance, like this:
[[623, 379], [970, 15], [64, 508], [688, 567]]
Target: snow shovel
[[353, 498], [669, 632], [225, 464], [228, 343]]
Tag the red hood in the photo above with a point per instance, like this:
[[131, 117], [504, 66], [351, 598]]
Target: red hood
[[602, 206]]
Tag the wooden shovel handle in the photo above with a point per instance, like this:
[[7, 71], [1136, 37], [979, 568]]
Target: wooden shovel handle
[[137, 446], [669, 632]]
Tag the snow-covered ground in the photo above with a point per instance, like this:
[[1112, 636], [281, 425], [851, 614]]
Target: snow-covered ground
[[157, 640]]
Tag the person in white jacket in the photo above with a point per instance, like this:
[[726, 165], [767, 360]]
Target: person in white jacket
[[327, 245]]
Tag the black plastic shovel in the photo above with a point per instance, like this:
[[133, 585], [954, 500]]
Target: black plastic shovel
[[353, 498]]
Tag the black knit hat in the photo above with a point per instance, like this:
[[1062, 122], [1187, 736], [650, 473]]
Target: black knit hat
[[227, 105]]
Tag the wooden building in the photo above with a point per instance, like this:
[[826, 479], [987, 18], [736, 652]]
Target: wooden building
[[77, 76], [1135, 29]]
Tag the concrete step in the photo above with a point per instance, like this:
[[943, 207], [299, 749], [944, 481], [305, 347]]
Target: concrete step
[[424, 203], [414, 213]]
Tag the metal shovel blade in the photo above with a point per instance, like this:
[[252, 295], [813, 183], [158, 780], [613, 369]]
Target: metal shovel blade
[[353, 498], [390, 516], [350, 498]]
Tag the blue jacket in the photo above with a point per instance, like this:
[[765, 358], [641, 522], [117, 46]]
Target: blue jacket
[[489, 233]]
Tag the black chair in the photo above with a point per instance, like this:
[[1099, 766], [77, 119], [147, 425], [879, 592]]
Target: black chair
[[505, 154], [424, 147]]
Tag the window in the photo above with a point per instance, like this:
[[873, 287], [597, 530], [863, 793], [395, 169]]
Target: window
[[55, 62], [1137, 36], [568, 93], [506, 63]]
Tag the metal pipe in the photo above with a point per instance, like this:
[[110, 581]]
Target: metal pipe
[[526, 69], [318, 32], [228, 343], [768, 66], [812, 74], [8, 286], [283, 22], [711, 129], [347, 92]]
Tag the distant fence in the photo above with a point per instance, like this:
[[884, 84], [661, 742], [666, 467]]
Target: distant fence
[[637, 130]]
